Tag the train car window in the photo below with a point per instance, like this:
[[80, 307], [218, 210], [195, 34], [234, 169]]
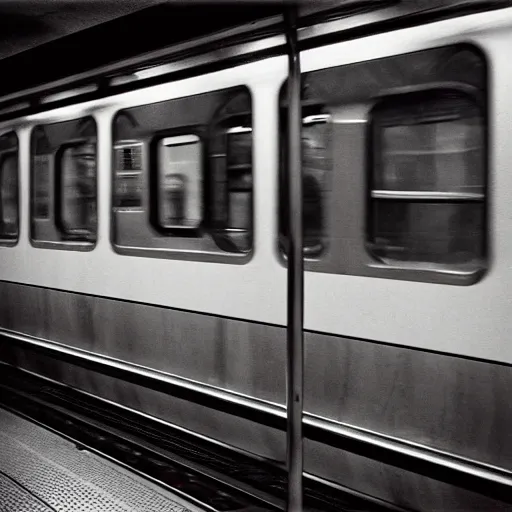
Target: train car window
[[180, 182], [64, 185], [428, 180], [395, 182], [183, 178], [9, 209]]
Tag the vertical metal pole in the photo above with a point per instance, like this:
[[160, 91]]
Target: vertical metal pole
[[295, 341]]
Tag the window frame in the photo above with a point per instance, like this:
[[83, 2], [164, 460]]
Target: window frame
[[11, 241], [240, 129], [438, 272]]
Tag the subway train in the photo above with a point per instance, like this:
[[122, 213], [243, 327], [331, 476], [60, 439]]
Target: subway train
[[145, 231]]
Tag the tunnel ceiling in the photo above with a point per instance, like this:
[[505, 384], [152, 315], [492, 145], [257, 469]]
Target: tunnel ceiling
[[25, 24], [42, 41], [46, 40]]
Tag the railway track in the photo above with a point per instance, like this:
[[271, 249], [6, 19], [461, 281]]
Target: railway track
[[211, 475]]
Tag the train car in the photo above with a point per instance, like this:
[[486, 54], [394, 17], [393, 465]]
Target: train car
[[144, 234]]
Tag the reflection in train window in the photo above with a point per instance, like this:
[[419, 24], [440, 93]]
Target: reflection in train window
[[315, 174], [78, 189], [9, 223], [180, 182], [428, 181]]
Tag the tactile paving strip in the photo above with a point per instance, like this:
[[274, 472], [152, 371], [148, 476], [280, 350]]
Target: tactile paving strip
[[14, 498], [51, 471]]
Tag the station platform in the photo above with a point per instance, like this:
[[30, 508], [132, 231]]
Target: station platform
[[43, 472]]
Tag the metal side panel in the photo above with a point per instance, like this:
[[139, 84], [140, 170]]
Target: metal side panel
[[40, 471], [450, 403]]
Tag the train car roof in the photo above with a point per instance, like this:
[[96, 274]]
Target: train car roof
[[45, 42]]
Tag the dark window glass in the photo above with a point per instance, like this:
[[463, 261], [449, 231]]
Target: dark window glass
[[9, 196], [445, 233], [316, 165], [41, 186], [427, 197], [78, 189], [239, 173]]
